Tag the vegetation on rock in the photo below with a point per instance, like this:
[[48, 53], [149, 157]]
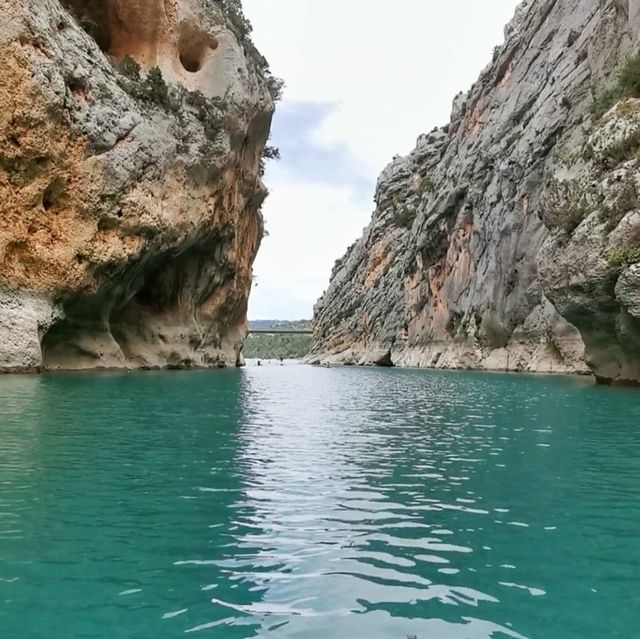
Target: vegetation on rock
[[494, 333], [269, 153], [129, 68], [565, 204], [208, 111], [157, 253], [233, 11], [152, 88], [624, 150], [605, 102], [275, 86], [624, 257], [403, 216], [627, 86]]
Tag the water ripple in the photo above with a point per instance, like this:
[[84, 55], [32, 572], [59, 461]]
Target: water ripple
[[299, 502]]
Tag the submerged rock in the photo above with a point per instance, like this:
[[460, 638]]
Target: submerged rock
[[131, 142], [491, 246]]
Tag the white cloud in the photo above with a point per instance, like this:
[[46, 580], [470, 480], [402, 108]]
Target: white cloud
[[310, 225], [391, 69]]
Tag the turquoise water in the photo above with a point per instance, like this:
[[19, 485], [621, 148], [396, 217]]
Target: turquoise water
[[318, 504]]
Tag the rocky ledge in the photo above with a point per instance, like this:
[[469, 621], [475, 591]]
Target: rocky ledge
[[510, 238], [132, 135]]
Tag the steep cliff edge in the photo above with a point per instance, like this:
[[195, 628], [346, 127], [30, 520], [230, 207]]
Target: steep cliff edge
[[468, 261], [131, 143]]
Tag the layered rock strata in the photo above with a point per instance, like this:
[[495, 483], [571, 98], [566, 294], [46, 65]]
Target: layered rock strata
[[468, 261]]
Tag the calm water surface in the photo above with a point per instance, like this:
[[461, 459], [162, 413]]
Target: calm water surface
[[318, 504]]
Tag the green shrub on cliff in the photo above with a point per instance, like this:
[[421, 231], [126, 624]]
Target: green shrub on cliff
[[129, 68], [276, 87], [208, 112], [426, 185], [152, 88], [629, 77], [268, 153], [494, 333], [233, 10], [155, 89], [271, 153], [624, 150], [627, 86], [605, 102], [565, 204], [624, 257]]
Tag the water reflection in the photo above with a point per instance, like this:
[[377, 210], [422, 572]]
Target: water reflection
[[317, 503]]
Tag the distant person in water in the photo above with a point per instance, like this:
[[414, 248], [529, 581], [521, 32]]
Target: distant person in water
[[259, 363]]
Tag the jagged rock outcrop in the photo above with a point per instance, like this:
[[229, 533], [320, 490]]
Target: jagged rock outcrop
[[464, 264], [590, 265], [131, 138]]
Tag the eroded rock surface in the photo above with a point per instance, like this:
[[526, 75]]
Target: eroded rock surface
[[131, 142], [590, 265], [461, 266]]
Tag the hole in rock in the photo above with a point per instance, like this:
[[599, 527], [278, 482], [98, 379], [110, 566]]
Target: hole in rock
[[193, 48], [52, 193], [191, 64], [123, 27], [76, 85]]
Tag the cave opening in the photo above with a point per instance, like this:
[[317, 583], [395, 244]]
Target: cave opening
[[191, 63], [123, 28], [93, 17], [194, 46], [140, 31]]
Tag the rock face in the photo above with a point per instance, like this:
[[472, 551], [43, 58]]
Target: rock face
[[131, 142], [465, 263], [590, 266]]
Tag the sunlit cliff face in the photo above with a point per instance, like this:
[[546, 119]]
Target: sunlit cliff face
[[128, 223], [167, 34], [472, 258]]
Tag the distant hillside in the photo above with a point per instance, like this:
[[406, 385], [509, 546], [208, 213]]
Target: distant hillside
[[280, 325], [275, 346]]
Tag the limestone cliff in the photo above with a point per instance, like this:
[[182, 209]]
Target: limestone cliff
[[131, 143], [469, 261]]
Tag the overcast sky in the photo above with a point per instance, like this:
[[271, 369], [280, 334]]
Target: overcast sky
[[364, 79]]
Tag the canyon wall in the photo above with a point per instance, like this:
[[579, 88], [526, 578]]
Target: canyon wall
[[510, 238], [131, 142]]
